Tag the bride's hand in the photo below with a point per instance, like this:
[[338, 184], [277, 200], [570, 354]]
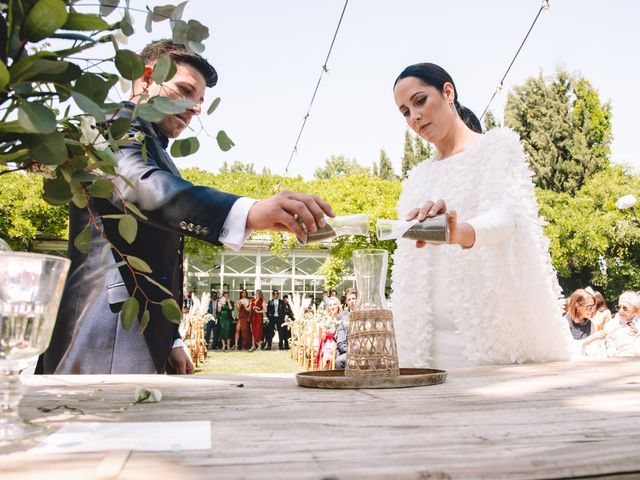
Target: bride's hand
[[431, 209]]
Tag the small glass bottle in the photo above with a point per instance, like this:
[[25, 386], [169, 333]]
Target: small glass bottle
[[338, 226], [433, 230]]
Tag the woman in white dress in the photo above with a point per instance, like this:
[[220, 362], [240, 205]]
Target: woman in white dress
[[491, 296]]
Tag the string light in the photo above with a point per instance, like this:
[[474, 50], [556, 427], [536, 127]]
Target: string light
[[313, 97], [545, 6]]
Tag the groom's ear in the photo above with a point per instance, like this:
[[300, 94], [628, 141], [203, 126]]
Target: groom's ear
[[146, 76]]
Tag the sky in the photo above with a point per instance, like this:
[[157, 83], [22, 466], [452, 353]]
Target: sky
[[269, 55]]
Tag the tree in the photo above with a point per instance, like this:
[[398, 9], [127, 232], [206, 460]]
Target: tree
[[237, 167], [24, 215], [564, 128], [385, 168], [338, 167], [409, 159], [415, 151], [592, 242], [490, 121]]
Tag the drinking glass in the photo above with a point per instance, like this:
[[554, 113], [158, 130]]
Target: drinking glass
[[30, 291]]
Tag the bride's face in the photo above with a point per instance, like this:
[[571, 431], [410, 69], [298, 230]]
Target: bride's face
[[428, 112]]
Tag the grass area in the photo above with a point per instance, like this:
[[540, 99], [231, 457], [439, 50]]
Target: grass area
[[266, 361]]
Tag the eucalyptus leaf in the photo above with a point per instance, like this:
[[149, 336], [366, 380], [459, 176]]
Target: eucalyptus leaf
[[128, 228], [73, 36], [196, 31], [48, 149], [184, 147], [84, 21], [82, 242], [126, 24], [196, 47], [101, 188], [106, 248], [158, 284], [56, 191], [169, 106], [129, 64], [43, 19], [129, 312], [179, 32], [36, 118], [89, 106], [116, 216], [84, 176], [144, 321], [69, 73], [135, 210], [108, 6], [4, 75], [213, 106], [149, 113], [79, 200], [224, 142], [161, 69], [171, 310], [138, 264], [14, 156], [148, 21], [162, 12], [119, 127], [12, 127], [177, 12], [92, 86]]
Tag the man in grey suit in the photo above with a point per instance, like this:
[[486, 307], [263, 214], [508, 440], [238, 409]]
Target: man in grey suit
[[88, 336]]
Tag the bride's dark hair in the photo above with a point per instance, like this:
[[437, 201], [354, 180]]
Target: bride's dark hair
[[436, 76]]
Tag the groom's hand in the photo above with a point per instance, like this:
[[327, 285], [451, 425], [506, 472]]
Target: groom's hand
[[289, 212]]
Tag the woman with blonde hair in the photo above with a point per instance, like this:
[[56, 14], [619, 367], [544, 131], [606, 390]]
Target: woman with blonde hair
[[603, 314]]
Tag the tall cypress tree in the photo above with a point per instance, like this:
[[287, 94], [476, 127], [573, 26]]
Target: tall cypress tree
[[385, 167], [564, 128]]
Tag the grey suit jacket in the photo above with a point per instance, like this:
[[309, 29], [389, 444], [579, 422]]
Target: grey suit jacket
[[88, 337]]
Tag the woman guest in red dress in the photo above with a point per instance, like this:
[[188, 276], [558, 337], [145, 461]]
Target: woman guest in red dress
[[258, 307], [243, 328]]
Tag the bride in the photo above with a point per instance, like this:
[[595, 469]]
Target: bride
[[491, 296]]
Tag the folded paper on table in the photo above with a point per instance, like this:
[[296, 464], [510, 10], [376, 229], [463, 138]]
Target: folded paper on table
[[142, 436]]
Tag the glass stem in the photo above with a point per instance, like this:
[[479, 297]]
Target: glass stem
[[11, 392]]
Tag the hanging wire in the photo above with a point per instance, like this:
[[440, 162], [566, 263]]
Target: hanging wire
[[545, 6], [313, 97]]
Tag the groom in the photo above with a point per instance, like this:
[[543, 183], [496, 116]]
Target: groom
[[88, 337]]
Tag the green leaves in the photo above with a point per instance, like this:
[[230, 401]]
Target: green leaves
[[169, 106], [138, 264], [128, 228], [144, 321], [119, 127], [44, 18], [164, 69], [108, 6], [129, 64], [56, 191], [187, 146], [48, 149], [4, 75], [213, 106], [92, 86], [36, 118], [224, 142], [101, 188], [171, 310], [129, 312], [84, 21], [82, 242], [89, 106]]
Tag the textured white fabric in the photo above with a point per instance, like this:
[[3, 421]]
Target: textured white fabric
[[497, 302]]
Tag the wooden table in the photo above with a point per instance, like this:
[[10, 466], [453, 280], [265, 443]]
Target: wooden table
[[561, 420]]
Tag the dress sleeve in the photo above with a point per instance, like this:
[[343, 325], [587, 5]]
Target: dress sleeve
[[493, 226]]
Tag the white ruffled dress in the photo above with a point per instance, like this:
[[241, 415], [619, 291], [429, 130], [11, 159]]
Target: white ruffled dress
[[497, 302]]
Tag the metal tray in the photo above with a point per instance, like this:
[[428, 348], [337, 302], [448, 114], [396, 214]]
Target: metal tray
[[409, 377]]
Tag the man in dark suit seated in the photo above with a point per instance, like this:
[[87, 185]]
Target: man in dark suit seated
[[88, 336]]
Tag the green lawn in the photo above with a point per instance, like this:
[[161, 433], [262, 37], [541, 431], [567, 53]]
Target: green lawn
[[267, 361]]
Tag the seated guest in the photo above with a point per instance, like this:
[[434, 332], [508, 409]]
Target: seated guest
[[622, 331], [326, 350], [602, 315], [341, 334], [580, 308]]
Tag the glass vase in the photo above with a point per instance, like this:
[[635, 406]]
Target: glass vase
[[371, 339], [30, 291]]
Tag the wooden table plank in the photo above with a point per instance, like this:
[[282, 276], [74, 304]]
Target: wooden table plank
[[563, 420]]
